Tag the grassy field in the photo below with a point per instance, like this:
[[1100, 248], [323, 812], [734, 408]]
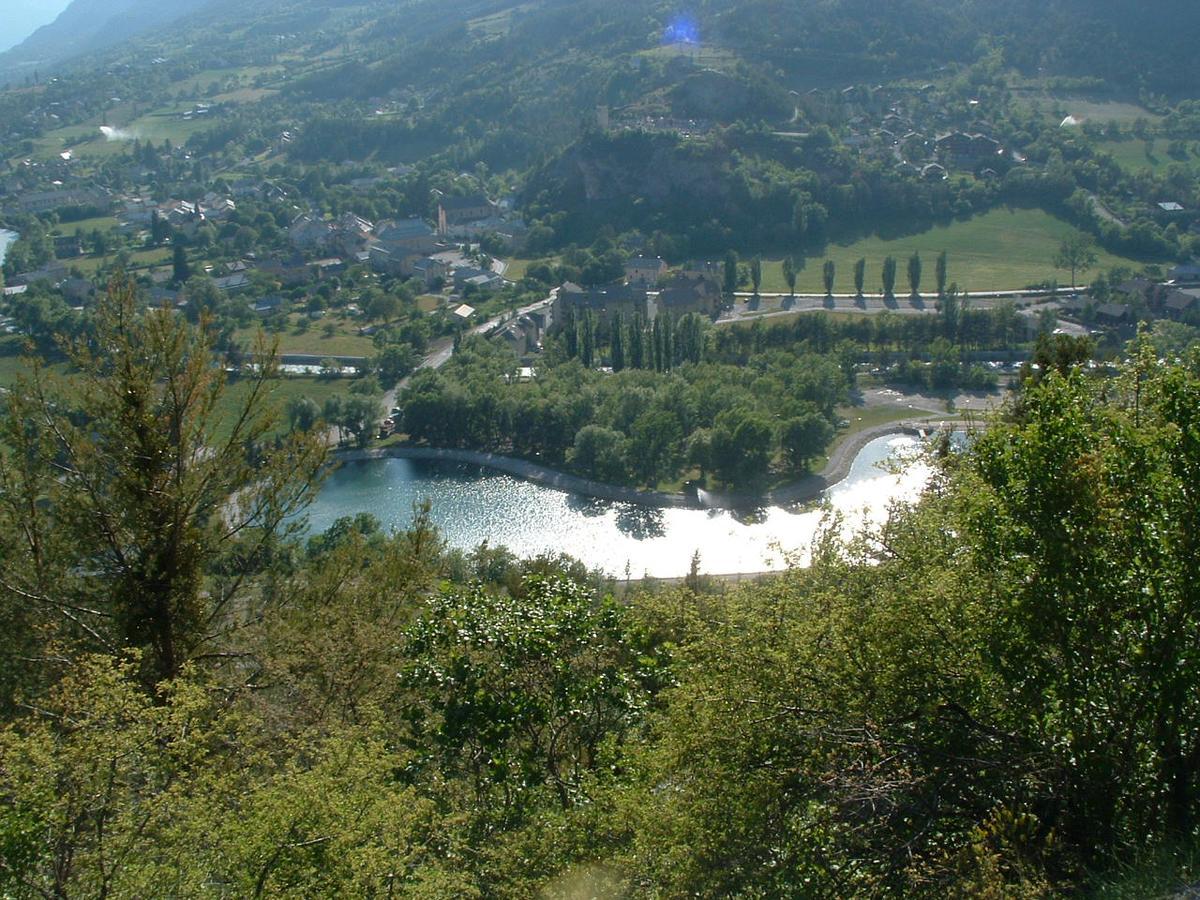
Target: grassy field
[[427, 303], [281, 391], [138, 259], [1001, 250], [1141, 156], [88, 143], [345, 340], [104, 223], [1056, 107], [518, 266], [12, 359]]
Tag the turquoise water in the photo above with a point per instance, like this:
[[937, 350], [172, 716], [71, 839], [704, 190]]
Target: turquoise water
[[6, 238], [471, 505]]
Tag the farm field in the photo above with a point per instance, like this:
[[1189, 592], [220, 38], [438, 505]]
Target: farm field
[[1005, 249], [345, 340], [1147, 156], [1086, 109]]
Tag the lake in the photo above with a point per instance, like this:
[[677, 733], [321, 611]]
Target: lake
[[6, 238], [471, 505]]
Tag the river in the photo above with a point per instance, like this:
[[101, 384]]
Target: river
[[471, 505]]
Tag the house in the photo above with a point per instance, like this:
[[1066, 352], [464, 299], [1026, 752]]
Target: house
[[543, 318], [459, 210], [933, 172], [68, 246], [604, 302], [79, 198], [484, 281], [290, 273], [406, 236], [515, 338], [1179, 303], [967, 149], [351, 234], [464, 311], [1134, 287], [1186, 273], [349, 223], [308, 232], [267, 306], [1113, 313], [391, 262], [645, 270], [710, 269], [685, 295], [1170, 206], [232, 283], [218, 209], [480, 278], [329, 266], [429, 271]]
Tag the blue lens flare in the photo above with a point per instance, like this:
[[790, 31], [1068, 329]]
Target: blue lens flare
[[682, 29]]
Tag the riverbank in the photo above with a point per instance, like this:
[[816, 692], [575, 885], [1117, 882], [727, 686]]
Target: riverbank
[[805, 490]]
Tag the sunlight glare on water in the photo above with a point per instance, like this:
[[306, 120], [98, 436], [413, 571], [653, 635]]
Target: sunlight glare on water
[[470, 505]]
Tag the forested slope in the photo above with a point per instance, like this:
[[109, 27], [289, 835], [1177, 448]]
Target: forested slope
[[991, 695]]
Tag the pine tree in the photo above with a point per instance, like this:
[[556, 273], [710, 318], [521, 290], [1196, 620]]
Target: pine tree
[[618, 343], [181, 270]]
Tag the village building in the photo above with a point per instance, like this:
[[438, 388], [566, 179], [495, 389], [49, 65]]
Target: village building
[[460, 210], [604, 302], [645, 270], [683, 295]]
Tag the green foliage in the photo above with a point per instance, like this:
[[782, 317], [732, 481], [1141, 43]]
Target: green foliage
[[119, 501], [514, 695], [632, 426]]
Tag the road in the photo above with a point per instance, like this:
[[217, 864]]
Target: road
[[442, 349], [747, 309]]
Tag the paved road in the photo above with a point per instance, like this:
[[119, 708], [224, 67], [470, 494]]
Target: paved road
[[769, 306], [442, 349]]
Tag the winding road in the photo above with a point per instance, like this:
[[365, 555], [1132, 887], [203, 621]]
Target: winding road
[[442, 349]]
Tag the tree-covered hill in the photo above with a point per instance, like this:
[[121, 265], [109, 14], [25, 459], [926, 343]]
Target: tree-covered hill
[[992, 694]]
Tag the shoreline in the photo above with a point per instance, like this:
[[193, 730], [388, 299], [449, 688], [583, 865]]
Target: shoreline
[[804, 490]]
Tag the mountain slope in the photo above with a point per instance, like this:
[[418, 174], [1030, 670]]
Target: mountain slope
[[91, 25]]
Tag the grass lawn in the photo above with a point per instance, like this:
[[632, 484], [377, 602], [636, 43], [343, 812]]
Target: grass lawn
[[1004, 249], [427, 303], [281, 391], [13, 361], [103, 223], [517, 267], [345, 340], [1095, 109], [1137, 156], [138, 259]]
